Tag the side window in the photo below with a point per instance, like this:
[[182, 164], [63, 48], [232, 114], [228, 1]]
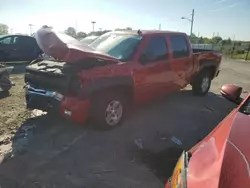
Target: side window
[[155, 50], [15, 40], [179, 46], [22, 41], [6, 40]]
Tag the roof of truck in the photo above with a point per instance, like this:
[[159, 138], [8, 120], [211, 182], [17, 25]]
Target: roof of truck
[[149, 32]]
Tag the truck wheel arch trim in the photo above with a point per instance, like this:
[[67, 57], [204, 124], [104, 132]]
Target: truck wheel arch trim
[[207, 64]]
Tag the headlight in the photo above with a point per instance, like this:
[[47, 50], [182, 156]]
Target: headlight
[[179, 177], [58, 96]]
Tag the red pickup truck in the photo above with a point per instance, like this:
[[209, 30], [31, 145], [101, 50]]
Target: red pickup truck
[[100, 80]]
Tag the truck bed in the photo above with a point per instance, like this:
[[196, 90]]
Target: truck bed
[[201, 50]]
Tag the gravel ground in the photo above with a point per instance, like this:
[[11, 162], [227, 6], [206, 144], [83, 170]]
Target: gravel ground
[[140, 153], [13, 113]]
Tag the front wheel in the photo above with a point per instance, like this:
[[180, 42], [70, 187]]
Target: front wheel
[[108, 109], [202, 83]]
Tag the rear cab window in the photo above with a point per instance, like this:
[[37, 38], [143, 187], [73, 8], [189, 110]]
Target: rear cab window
[[179, 46]]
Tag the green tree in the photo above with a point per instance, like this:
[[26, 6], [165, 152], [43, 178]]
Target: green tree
[[206, 40], [123, 29], [71, 32], [201, 41], [216, 40], [128, 28], [98, 33], [81, 35], [3, 29]]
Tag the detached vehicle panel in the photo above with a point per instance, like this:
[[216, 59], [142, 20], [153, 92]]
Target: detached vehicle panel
[[119, 68], [220, 160]]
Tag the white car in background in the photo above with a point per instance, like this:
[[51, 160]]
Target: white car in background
[[87, 40]]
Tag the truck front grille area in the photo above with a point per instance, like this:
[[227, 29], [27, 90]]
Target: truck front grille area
[[53, 76], [42, 80]]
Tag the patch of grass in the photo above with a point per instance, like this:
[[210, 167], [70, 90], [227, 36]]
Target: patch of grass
[[241, 56]]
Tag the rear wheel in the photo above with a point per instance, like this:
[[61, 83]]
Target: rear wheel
[[108, 109], [202, 83]]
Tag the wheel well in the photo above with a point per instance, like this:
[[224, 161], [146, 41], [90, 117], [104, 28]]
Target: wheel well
[[126, 90], [211, 69]]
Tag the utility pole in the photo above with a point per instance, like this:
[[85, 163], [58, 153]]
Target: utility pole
[[76, 26], [192, 23], [191, 20], [30, 29], [159, 27], [93, 23]]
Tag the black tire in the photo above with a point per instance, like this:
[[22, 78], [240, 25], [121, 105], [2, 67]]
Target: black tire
[[199, 87], [99, 108]]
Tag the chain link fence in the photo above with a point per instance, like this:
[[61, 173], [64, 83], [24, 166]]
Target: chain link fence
[[234, 50]]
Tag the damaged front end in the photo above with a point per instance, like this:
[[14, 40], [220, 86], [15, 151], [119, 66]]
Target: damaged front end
[[56, 84]]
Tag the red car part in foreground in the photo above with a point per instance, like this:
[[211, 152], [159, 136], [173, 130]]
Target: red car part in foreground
[[99, 80], [221, 160]]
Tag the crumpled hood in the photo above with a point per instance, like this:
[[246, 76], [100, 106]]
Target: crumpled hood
[[65, 48]]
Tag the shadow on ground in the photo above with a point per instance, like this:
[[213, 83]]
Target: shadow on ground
[[53, 148], [4, 94], [19, 67]]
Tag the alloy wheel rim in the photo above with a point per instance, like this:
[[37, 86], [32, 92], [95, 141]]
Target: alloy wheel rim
[[114, 112], [205, 84]]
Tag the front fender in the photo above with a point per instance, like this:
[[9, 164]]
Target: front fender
[[105, 83]]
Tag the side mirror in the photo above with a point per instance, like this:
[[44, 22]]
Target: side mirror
[[231, 93]]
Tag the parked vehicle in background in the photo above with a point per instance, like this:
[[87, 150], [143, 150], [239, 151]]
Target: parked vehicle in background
[[221, 160], [119, 68], [18, 48], [87, 40]]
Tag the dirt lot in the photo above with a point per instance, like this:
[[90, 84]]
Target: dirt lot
[[54, 153]]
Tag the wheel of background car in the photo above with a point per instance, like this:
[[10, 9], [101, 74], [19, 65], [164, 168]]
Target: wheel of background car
[[108, 109], [202, 83]]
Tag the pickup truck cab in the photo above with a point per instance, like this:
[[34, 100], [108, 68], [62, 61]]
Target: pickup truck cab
[[101, 79]]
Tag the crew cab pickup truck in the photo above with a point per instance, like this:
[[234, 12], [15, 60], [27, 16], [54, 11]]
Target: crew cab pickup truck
[[99, 81]]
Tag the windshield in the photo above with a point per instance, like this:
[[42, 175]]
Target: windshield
[[120, 46]]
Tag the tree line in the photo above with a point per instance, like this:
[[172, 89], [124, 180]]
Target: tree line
[[71, 31]]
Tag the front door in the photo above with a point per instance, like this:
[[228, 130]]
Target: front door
[[153, 73]]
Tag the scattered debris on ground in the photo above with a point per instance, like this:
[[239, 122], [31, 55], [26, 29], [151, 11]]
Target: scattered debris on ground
[[13, 115]]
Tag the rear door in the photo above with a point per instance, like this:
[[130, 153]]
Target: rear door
[[181, 60], [27, 48], [153, 73]]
